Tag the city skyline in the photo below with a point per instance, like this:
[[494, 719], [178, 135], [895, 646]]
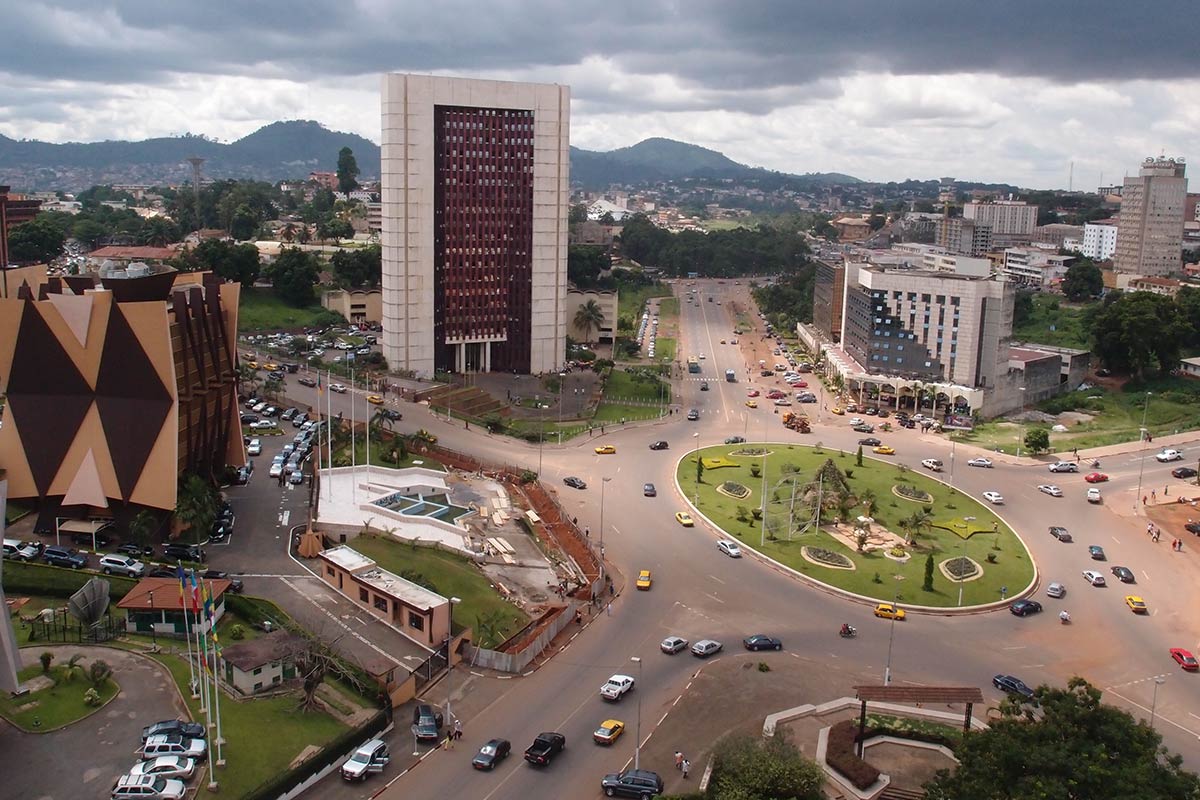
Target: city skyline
[[1014, 94]]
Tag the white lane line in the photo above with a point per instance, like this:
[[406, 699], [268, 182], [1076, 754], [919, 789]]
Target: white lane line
[[283, 519], [1015, 647], [1115, 539], [714, 597], [718, 580], [1145, 575], [1158, 717], [615, 529]]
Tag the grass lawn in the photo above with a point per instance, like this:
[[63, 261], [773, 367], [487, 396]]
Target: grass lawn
[[668, 309], [875, 575], [616, 412], [664, 349], [623, 386], [631, 300], [451, 576], [341, 456], [55, 705], [262, 736], [1174, 406], [1054, 322], [261, 310]]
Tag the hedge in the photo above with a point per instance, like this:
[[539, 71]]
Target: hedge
[[22, 577], [339, 747], [840, 753]]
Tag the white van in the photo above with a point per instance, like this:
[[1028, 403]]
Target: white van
[[371, 757]]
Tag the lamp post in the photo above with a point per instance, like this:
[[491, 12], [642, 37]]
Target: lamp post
[[153, 632], [887, 672], [603, 483], [696, 450], [762, 531], [637, 745], [1154, 702], [537, 399], [1142, 459], [1021, 427], [450, 661]]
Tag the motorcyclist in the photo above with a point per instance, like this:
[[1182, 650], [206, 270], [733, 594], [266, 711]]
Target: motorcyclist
[[847, 629], [1095, 463], [1064, 616]]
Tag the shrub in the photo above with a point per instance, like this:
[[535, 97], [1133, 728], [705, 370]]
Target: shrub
[[897, 551], [528, 476], [991, 558], [742, 514], [756, 513], [820, 554], [849, 472], [91, 697], [99, 672], [840, 754], [237, 632], [928, 585], [755, 470], [913, 493], [877, 579], [46, 658], [961, 567], [764, 666]]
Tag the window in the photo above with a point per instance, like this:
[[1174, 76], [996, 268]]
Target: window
[[416, 621], [329, 571], [381, 603], [258, 686], [257, 671], [363, 595]]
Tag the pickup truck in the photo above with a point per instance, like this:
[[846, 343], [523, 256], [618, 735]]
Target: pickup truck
[[544, 748]]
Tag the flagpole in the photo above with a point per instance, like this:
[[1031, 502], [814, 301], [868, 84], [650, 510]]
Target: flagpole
[[199, 628], [209, 610], [353, 449], [187, 630], [329, 432], [369, 415]]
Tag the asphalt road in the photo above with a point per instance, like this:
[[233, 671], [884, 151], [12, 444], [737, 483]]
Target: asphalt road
[[699, 593]]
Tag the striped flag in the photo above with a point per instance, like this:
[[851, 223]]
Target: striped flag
[[195, 595], [182, 576], [320, 386]]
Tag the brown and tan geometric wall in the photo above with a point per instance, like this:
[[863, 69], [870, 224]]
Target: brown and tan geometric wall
[[109, 400]]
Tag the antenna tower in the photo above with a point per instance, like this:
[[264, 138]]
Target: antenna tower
[[196, 163]]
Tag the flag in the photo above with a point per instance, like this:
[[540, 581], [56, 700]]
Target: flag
[[320, 386], [208, 615], [182, 576], [195, 595]]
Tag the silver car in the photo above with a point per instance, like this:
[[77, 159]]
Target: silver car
[[705, 648], [673, 644], [729, 548]]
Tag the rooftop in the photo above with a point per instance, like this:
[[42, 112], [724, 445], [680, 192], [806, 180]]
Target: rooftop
[[254, 653], [164, 593], [366, 570], [349, 560], [1025, 355]]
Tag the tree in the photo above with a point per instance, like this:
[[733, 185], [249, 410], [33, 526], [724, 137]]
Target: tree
[[1037, 440], [577, 214], [195, 507], [749, 768], [1134, 330], [1082, 749], [294, 274], [858, 456], [1022, 307], [142, 527], [233, 262], [928, 586], [876, 221], [358, 269], [159, 232], [585, 263], [36, 241], [334, 228], [1082, 281], [869, 501], [347, 170], [699, 469], [99, 673], [589, 316], [288, 232]]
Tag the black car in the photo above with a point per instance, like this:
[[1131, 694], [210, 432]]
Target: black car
[[1124, 574], [183, 552], [101, 538], [235, 585], [306, 382], [659, 445], [1011, 685], [220, 531], [760, 642], [574, 483], [704, 387], [864, 428], [135, 550], [174, 727], [392, 414], [288, 414], [908, 423], [1060, 533], [249, 418], [161, 572], [1023, 608], [1192, 527], [1183, 472], [640, 783], [491, 754], [648, 490], [735, 439], [64, 557], [428, 721], [693, 415], [299, 420], [870, 441]]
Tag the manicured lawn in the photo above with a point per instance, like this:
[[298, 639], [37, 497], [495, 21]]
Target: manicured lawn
[[616, 412], [1174, 406], [55, 705], [664, 349], [623, 386], [262, 736], [668, 309], [341, 456], [875, 575], [631, 300], [1054, 322], [450, 576], [261, 310]]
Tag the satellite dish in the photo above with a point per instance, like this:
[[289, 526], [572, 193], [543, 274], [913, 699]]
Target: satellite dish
[[90, 603]]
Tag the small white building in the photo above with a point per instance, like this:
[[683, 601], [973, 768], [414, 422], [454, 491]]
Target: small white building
[[257, 665], [1190, 367], [1033, 266]]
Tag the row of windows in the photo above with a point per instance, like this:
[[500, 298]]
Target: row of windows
[[524, 141], [898, 360], [381, 603]]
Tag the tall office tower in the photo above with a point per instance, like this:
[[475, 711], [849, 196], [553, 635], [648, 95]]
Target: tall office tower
[[1012, 221], [1150, 227], [475, 200]]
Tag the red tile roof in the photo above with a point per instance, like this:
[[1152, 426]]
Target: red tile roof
[[166, 594]]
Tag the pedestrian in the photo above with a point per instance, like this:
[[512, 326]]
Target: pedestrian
[[587, 532], [1166, 491], [449, 743], [1153, 495], [578, 616], [685, 766], [678, 760], [457, 729], [1143, 499]]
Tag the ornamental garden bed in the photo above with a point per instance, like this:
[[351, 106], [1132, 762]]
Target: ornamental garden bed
[[734, 489], [911, 493]]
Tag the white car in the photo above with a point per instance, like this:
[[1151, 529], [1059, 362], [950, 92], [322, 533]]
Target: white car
[[1093, 577], [933, 464], [616, 687], [1169, 455], [673, 644], [1063, 466], [276, 469], [1056, 590], [122, 565], [337, 387], [148, 786], [1093, 495], [856, 421], [729, 548], [702, 356], [166, 767], [254, 448], [995, 498], [980, 462], [264, 424], [1050, 489]]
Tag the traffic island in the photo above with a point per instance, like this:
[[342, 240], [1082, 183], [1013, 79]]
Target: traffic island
[[815, 507]]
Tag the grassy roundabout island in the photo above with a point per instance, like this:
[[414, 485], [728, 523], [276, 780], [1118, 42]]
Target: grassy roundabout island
[[879, 523]]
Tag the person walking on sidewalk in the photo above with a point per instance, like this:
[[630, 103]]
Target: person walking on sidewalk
[[685, 766], [457, 729], [678, 760]]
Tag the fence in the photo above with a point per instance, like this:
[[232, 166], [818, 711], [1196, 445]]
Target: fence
[[429, 669], [295, 781], [516, 662], [58, 626]]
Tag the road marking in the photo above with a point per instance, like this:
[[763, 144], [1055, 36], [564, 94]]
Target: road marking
[[1032, 666], [1115, 539], [284, 517], [1015, 647], [714, 597], [615, 529], [718, 580], [1145, 575], [1159, 717]]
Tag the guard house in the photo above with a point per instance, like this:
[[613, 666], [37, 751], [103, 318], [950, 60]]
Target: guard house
[[418, 613], [257, 665], [155, 603]]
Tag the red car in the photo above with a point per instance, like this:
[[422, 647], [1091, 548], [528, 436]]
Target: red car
[[752, 393], [1096, 477], [775, 394], [1185, 659], [798, 384]]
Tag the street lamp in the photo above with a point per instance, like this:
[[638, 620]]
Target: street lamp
[[153, 632], [1142, 460], [887, 672], [637, 745], [1153, 703], [537, 399], [450, 661], [762, 532], [696, 450], [1021, 425], [603, 483]]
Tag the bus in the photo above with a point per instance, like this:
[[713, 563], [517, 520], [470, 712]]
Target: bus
[[693, 364]]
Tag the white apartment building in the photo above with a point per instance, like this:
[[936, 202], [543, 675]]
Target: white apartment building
[[1031, 266], [475, 189], [1012, 221], [1099, 241], [963, 236], [1150, 227]]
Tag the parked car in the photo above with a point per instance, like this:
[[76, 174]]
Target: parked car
[[172, 744], [148, 787], [491, 754], [673, 644], [191, 730], [121, 565], [176, 551], [428, 721], [19, 551], [372, 757], [64, 557], [640, 783], [166, 767], [705, 648], [254, 448], [235, 585]]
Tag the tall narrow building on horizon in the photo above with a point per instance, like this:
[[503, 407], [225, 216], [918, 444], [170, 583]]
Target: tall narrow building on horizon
[[475, 189], [1150, 225]]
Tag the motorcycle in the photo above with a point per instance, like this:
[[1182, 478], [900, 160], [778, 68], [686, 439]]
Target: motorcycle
[[1096, 464], [1064, 618], [848, 632]]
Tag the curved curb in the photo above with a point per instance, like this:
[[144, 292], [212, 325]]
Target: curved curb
[[848, 595]]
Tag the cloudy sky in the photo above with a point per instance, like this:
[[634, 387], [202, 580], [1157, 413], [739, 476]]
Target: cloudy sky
[[1009, 90]]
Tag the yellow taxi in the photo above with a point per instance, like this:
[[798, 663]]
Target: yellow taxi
[[643, 580], [605, 450], [751, 404], [609, 731], [889, 611], [884, 450], [837, 410], [1136, 604], [271, 367], [252, 364], [684, 519], [375, 399]]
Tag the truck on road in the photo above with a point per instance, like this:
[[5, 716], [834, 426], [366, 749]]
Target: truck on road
[[544, 748], [731, 376]]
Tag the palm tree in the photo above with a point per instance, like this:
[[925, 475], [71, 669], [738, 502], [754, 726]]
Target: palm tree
[[288, 232], [141, 527], [196, 507], [869, 502], [589, 316], [490, 626]]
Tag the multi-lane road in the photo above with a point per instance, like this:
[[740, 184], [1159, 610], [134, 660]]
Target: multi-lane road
[[700, 593]]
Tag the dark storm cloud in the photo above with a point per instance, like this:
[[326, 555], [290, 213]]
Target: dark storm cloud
[[741, 55]]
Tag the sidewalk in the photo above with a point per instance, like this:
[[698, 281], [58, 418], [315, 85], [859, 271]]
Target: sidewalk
[[1177, 441]]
